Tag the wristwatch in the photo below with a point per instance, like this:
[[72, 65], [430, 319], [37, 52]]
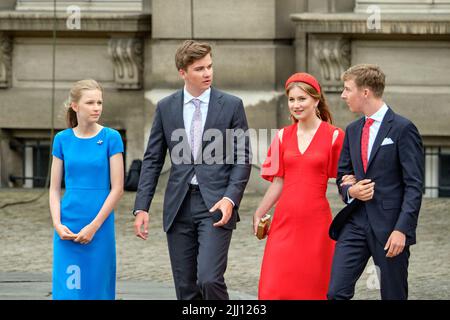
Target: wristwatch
[[135, 212]]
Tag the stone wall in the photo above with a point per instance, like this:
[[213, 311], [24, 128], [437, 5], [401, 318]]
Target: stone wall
[[107, 46], [129, 47]]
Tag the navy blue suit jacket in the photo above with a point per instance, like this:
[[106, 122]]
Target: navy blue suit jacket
[[396, 168]]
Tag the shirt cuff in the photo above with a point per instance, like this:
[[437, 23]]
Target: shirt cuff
[[349, 199], [232, 202]]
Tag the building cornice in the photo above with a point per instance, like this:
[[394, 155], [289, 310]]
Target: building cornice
[[357, 23], [89, 22]]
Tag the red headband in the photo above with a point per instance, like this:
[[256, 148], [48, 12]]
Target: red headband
[[305, 78]]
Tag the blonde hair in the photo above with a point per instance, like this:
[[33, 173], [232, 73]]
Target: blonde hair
[[75, 95], [323, 108], [367, 76], [189, 52]]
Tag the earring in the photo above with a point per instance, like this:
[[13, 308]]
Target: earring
[[318, 113]]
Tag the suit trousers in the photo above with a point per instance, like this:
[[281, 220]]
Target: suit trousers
[[355, 245], [198, 251]]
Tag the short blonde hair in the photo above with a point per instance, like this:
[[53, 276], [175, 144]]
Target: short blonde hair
[[367, 76]]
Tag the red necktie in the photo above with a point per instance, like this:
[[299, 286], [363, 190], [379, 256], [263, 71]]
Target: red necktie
[[365, 142]]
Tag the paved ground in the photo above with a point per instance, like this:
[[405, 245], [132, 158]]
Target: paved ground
[[143, 269]]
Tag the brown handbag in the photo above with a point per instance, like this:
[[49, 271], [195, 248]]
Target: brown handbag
[[263, 227]]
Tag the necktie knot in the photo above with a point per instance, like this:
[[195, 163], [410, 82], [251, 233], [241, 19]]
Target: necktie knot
[[369, 122], [196, 103]]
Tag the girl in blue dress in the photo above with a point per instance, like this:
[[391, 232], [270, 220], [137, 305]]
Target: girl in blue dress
[[90, 158]]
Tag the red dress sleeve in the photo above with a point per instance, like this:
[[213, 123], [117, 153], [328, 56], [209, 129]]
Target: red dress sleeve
[[335, 153], [273, 165]]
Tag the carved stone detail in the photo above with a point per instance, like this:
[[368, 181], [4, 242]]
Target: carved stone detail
[[333, 57], [127, 56], [5, 60]]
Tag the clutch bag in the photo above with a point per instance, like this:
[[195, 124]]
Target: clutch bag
[[263, 227]]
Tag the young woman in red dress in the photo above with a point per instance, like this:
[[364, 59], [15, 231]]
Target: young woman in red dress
[[298, 253]]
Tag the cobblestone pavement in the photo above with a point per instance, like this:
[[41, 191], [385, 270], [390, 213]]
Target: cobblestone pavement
[[26, 246]]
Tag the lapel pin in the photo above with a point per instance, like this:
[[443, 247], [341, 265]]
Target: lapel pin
[[99, 142]]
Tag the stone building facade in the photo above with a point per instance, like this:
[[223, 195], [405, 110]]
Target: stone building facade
[[129, 47]]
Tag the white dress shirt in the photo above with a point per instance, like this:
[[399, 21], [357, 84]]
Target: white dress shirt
[[375, 127], [188, 113]]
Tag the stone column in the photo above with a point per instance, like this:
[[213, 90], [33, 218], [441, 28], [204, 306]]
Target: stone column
[[432, 172]]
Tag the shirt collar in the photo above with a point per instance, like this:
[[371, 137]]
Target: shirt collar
[[204, 97], [379, 115]]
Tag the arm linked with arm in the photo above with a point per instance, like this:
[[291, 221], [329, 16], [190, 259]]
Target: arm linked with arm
[[345, 167]]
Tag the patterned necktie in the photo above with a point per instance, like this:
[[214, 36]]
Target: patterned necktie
[[365, 142], [196, 128]]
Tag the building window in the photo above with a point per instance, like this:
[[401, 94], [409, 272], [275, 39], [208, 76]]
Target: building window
[[444, 173], [437, 172], [35, 157]]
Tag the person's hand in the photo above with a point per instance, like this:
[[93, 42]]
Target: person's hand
[[256, 220], [65, 233], [362, 190], [395, 244], [348, 180], [86, 234], [141, 220], [226, 207]]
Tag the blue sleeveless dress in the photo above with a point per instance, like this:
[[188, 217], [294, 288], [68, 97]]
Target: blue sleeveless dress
[[85, 272]]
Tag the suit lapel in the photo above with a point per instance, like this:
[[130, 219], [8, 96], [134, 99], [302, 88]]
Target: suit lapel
[[385, 127], [177, 110], [177, 114], [214, 109]]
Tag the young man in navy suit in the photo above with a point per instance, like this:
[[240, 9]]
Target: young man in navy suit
[[384, 152], [207, 176]]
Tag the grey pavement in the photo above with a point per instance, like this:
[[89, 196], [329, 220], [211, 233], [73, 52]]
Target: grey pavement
[[143, 267], [37, 286]]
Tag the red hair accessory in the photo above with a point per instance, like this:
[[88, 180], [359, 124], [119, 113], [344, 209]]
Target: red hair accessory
[[305, 78]]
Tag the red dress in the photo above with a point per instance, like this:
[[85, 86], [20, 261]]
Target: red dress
[[298, 254]]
